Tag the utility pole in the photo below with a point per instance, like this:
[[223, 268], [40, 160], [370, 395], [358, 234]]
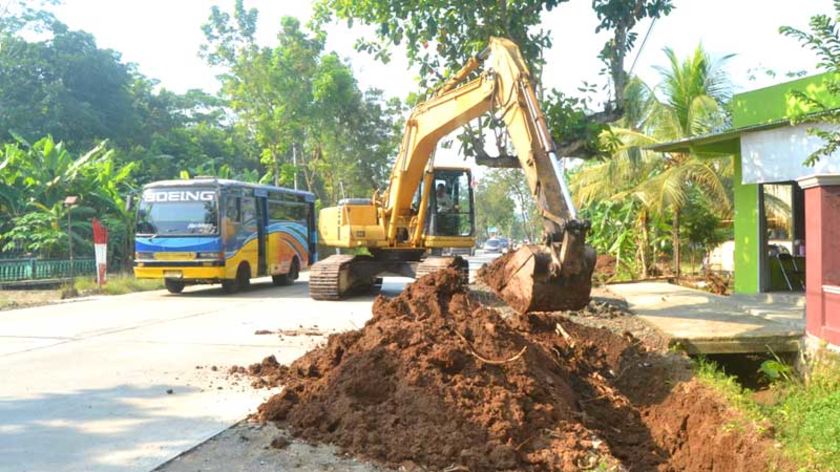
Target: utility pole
[[294, 163]]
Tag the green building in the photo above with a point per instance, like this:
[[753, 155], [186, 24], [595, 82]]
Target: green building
[[769, 155]]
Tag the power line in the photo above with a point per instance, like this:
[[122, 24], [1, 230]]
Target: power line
[[641, 47]]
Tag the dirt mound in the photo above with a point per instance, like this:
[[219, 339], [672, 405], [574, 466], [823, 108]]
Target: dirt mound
[[436, 380]]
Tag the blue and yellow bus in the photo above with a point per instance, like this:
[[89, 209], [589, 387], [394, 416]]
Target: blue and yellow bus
[[208, 230]]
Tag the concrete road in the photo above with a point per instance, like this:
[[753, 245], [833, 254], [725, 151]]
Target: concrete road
[[86, 385], [125, 383]]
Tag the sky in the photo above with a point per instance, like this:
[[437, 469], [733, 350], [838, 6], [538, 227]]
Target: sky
[[163, 37]]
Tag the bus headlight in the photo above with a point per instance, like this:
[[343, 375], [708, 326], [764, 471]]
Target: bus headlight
[[142, 256], [210, 255]]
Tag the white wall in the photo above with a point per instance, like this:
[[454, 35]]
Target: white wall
[[776, 155]]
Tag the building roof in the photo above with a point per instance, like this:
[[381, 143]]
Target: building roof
[[715, 144], [758, 110]]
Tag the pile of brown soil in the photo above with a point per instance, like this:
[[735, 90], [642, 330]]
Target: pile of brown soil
[[436, 380], [605, 265]]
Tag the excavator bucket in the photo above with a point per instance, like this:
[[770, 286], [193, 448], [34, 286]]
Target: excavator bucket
[[528, 279]]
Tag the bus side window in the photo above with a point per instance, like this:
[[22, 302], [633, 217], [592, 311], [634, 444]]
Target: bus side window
[[249, 212], [232, 209]]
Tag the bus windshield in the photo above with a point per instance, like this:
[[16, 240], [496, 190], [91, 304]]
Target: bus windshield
[[174, 212]]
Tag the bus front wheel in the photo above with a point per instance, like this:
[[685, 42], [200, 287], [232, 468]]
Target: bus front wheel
[[173, 286]]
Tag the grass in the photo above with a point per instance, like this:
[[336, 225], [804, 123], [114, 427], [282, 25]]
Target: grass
[[805, 416], [117, 285], [808, 419]]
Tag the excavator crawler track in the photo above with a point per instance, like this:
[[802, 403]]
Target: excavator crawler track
[[330, 278]]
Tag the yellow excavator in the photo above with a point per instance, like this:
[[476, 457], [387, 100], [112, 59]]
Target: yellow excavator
[[425, 209]]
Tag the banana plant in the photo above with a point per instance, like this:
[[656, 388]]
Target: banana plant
[[34, 182]]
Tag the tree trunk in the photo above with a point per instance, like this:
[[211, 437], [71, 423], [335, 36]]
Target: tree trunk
[[643, 247], [617, 72], [676, 242]]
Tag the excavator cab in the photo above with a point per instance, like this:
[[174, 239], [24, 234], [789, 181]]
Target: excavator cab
[[451, 212]]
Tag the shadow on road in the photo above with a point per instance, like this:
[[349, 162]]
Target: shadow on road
[[112, 429]]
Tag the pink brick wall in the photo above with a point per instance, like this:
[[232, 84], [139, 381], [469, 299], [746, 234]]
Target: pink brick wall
[[822, 244]]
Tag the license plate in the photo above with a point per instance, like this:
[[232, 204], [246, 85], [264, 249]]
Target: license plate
[[174, 256], [173, 274]]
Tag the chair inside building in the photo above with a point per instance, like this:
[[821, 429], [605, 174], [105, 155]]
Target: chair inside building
[[783, 233]]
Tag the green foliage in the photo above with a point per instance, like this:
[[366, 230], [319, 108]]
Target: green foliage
[[440, 35], [494, 206], [66, 87], [35, 180], [803, 417], [301, 104], [19, 15], [36, 233], [702, 227], [503, 201], [118, 284], [573, 129], [620, 16], [806, 419], [614, 230], [824, 40], [678, 186], [776, 370]]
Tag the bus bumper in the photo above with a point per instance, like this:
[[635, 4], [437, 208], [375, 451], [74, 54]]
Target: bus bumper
[[186, 274]]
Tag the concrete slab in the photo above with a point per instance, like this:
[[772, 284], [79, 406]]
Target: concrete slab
[[704, 323], [786, 308], [125, 383]]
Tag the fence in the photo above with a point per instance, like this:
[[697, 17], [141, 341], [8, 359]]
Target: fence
[[38, 269]]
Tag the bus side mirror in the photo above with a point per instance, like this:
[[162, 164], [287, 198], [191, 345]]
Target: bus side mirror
[[129, 202]]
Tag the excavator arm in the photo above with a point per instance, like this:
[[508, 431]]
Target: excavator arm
[[505, 88]]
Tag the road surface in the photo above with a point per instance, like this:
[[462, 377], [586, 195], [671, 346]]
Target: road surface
[[125, 383]]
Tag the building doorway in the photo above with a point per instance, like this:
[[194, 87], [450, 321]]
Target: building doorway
[[782, 219]]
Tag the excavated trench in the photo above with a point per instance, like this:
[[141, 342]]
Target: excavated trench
[[438, 381]]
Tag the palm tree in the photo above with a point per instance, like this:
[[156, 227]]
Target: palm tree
[[689, 102]]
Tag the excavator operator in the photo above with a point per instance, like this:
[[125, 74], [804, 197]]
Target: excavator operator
[[447, 216]]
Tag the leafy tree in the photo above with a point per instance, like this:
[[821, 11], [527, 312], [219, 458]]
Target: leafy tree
[[269, 88], [303, 107], [440, 35], [66, 87], [689, 102], [18, 15], [620, 16], [494, 206], [824, 40], [192, 132]]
